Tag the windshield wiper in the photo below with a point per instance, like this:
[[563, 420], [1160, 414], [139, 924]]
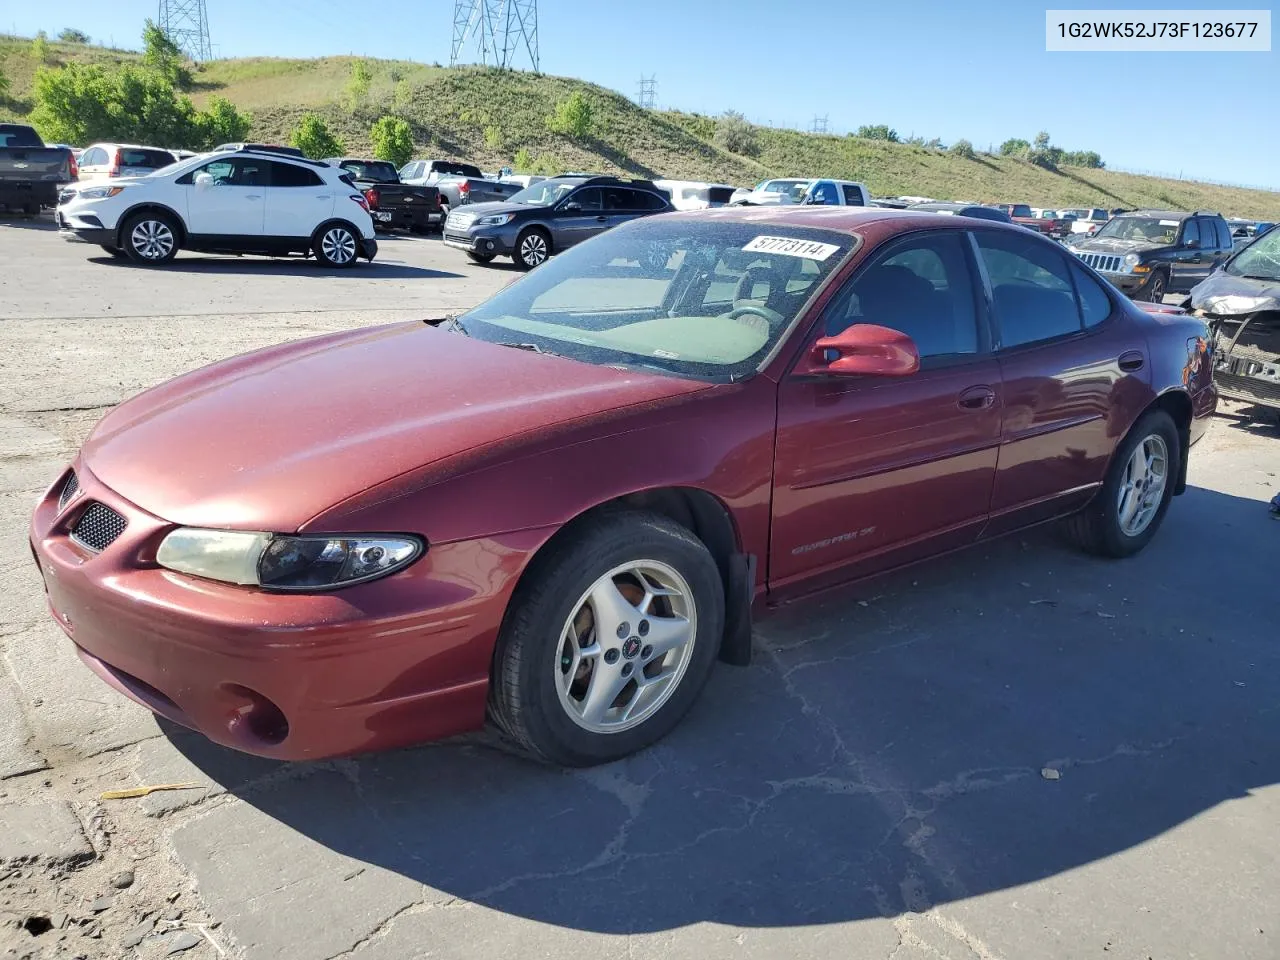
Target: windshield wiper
[[531, 347], [1254, 276]]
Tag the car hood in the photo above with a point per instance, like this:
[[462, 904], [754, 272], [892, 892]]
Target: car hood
[[1225, 295], [1115, 245], [490, 207], [271, 439]]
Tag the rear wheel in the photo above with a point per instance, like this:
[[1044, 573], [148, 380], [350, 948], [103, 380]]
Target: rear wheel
[[608, 641], [532, 248], [1132, 502], [336, 245], [150, 237]]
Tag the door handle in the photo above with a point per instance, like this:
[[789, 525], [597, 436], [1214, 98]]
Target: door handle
[[601, 219], [1131, 361], [253, 196], [977, 398]]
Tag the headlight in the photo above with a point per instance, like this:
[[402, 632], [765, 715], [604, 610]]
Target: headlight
[[98, 193], [495, 220], [282, 562], [1131, 259]]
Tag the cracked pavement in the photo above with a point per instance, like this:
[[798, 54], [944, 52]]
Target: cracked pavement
[[876, 785]]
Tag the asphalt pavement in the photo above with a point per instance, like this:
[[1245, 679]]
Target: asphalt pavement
[[1016, 751]]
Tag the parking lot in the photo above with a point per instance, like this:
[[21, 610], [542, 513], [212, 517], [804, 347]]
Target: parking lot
[[1017, 751]]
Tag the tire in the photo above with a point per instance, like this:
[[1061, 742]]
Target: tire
[[1100, 528], [544, 674], [336, 245], [1158, 288], [533, 246], [479, 257], [115, 252], [150, 237]]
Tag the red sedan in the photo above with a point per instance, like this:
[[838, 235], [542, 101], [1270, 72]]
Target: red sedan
[[560, 508]]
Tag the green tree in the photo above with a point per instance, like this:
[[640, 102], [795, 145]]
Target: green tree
[[77, 103], [161, 54], [574, 117], [1083, 158], [313, 138], [150, 111], [221, 122], [71, 35], [877, 131], [392, 140], [735, 134], [522, 161], [962, 148], [41, 52], [1014, 147], [358, 82]]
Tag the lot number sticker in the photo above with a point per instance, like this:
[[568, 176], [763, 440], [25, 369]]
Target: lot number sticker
[[809, 249]]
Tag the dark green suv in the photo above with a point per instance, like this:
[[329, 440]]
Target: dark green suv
[[1148, 253]]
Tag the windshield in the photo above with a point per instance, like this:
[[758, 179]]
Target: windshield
[[15, 135], [782, 186], [1019, 210], [178, 166], [1260, 259], [542, 194], [702, 299], [1145, 229], [378, 171]]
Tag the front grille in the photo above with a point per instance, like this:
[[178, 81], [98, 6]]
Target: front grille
[[1102, 262], [1248, 388], [458, 237], [69, 490], [98, 527]]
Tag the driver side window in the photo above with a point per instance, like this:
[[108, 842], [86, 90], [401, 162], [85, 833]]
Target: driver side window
[[589, 199], [1191, 232], [921, 287]]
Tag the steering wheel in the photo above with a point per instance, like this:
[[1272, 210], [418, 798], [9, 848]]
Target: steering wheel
[[773, 318]]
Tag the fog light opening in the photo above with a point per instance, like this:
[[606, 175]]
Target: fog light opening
[[255, 718]]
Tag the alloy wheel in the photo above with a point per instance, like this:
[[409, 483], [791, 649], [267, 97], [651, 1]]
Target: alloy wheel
[[338, 246], [625, 647], [1142, 485], [533, 249], [1156, 293], [152, 239]]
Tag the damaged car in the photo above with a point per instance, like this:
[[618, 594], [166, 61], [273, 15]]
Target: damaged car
[[1241, 303]]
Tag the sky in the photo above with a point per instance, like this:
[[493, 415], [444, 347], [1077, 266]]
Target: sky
[[975, 69]]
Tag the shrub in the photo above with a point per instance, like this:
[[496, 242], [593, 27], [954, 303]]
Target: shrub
[[71, 35], [522, 162], [358, 83], [81, 103], [962, 148], [574, 117], [41, 52], [735, 134], [395, 74], [493, 138], [878, 131], [162, 55], [392, 140], [313, 138], [4, 85], [221, 122], [1014, 147]]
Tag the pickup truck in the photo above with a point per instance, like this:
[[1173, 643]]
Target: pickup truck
[[391, 203], [831, 193], [1021, 213], [31, 174], [457, 182]]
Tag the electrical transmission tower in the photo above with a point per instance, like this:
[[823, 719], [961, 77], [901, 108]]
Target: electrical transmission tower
[[648, 98], [187, 25], [819, 125], [498, 28]]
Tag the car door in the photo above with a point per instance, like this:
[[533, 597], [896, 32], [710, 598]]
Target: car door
[[297, 200], [580, 216], [230, 201], [1225, 244], [872, 472], [1187, 257], [94, 165], [1066, 369]]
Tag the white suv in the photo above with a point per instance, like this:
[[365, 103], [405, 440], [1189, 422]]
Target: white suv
[[236, 201]]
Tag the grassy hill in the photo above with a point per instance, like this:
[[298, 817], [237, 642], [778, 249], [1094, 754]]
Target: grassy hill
[[487, 115]]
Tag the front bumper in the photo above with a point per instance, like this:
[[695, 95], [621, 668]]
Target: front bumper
[[487, 242], [392, 662], [1130, 283], [83, 227]]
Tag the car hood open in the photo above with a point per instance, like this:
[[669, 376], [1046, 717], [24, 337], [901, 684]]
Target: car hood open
[[269, 440], [1224, 294]]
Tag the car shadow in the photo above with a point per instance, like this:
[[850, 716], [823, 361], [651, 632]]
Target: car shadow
[[1260, 420], [24, 221], [975, 723], [294, 267]]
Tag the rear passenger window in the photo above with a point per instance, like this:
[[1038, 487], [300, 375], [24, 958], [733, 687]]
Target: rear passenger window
[[1032, 291], [1224, 234], [1095, 305], [853, 196], [921, 288], [289, 175]]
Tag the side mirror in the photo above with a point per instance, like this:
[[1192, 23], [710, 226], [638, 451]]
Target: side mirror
[[865, 350], [573, 207], [205, 180]]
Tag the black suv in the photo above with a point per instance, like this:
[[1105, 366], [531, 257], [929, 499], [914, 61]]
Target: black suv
[[549, 216], [1148, 253]]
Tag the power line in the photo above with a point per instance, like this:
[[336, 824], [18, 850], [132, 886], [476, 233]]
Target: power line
[[186, 23], [498, 30], [648, 98]]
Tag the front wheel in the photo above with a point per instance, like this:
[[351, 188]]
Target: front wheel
[[114, 251], [532, 248], [1159, 286], [479, 257], [1135, 496], [150, 238], [336, 245], [608, 641]]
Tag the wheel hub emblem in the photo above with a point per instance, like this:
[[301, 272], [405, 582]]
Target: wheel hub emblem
[[631, 648]]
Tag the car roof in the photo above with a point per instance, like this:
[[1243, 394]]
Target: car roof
[[1170, 214], [848, 220]]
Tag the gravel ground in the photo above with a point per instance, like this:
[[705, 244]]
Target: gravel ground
[[1011, 752]]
